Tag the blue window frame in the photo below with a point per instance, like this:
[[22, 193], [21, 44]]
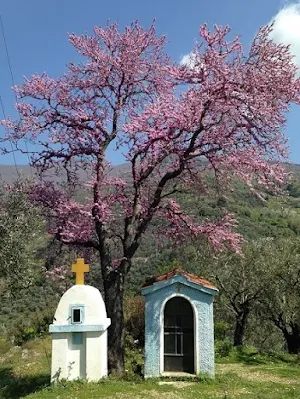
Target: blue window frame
[[77, 314]]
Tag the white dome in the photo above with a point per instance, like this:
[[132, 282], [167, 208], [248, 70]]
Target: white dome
[[81, 295]]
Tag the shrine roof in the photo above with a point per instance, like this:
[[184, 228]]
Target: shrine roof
[[178, 271]]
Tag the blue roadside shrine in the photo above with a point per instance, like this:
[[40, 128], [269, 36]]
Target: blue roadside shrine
[[179, 325]]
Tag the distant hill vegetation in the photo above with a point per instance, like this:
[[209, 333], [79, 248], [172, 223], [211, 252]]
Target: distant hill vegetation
[[10, 173]]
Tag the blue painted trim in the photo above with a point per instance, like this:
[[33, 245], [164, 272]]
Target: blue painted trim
[[178, 279], [81, 308], [66, 328], [77, 338]]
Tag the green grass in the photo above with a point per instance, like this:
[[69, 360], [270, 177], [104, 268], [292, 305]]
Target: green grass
[[228, 385], [281, 371], [245, 373], [251, 356], [25, 369]]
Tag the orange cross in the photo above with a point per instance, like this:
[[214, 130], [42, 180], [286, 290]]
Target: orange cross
[[80, 268]]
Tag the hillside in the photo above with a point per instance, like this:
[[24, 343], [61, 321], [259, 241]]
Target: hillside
[[9, 173], [27, 254]]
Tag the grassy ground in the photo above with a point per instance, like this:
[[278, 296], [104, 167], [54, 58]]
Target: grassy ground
[[24, 372]]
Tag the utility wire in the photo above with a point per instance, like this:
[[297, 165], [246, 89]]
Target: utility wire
[[6, 50], [11, 144], [13, 82]]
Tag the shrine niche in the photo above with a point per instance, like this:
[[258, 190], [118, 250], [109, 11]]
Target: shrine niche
[[179, 336], [179, 327]]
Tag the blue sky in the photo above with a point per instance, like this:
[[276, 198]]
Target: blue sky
[[36, 33]]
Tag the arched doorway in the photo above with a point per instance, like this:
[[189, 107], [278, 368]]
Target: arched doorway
[[179, 336]]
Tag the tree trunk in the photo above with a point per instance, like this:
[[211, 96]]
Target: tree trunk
[[292, 340], [114, 294], [291, 333], [240, 327]]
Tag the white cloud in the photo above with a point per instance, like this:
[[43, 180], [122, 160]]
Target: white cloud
[[193, 61], [188, 60], [287, 28]]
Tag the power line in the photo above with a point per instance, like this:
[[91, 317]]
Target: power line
[[13, 82], [11, 144], [6, 50]]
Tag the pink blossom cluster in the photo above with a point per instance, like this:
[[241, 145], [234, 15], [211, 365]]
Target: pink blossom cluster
[[219, 233]]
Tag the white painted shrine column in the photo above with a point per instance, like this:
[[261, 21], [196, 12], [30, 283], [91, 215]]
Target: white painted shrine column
[[59, 356], [79, 332]]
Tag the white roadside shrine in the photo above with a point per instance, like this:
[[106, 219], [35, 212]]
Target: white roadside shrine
[[79, 332]]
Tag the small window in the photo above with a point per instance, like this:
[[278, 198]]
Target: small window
[[77, 315], [77, 338]]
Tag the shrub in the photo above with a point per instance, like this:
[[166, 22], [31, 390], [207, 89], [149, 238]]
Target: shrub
[[223, 348], [134, 357], [221, 330], [135, 318]]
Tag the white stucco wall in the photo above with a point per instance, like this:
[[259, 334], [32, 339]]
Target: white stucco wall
[[59, 356], [201, 300], [90, 297], [95, 343], [87, 360], [76, 359]]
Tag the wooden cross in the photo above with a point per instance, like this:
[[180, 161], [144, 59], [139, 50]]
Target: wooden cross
[[80, 268]]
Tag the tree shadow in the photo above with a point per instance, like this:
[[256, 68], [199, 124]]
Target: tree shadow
[[14, 387], [249, 358], [284, 358]]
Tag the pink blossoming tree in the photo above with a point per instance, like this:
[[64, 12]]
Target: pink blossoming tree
[[225, 108]]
